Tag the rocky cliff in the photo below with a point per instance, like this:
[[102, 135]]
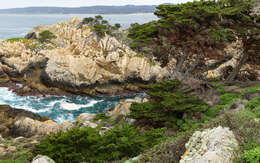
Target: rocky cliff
[[76, 60]]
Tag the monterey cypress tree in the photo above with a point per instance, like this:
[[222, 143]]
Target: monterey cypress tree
[[200, 29]]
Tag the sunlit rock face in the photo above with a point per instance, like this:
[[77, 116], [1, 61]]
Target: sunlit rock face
[[82, 58], [78, 57]]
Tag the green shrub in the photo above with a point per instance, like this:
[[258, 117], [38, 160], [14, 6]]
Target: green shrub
[[228, 99], [254, 105], [86, 144], [252, 156], [46, 36], [100, 116], [167, 106], [152, 63], [139, 55], [100, 26], [18, 160], [117, 26], [255, 89], [15, 39], [88, 20], [169, 150], [121, 54], [212, 112]]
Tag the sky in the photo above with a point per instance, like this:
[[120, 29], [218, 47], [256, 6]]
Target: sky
[[78, 3]]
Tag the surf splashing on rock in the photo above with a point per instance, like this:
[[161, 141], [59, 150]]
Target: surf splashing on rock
[[60, 108]]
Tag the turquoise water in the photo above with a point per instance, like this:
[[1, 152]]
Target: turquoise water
[[60, 108], [13, 25]]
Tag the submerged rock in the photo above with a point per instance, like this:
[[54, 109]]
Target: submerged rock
[[215, 145]]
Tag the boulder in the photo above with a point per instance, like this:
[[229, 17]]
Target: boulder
[[215, 145], [42, 159], [123, 108], [28, 127], [85, 119]]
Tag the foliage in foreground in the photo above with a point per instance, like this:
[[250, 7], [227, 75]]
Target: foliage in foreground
[[19, 160], [253, 155], [86, 144], [242, 123], [167, 106]]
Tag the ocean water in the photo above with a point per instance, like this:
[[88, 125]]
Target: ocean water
[[13, 25], [61, 108]]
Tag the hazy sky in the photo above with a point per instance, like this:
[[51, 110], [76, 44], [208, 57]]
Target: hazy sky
[[77, 3]]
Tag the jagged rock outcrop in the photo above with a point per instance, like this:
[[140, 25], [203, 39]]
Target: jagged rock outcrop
[[16, 58], [76, 58], [211, 145]]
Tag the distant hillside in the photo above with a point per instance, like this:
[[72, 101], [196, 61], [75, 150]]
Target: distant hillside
[[82, 10]]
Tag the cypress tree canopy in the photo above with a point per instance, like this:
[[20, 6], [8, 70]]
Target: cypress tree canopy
[[200, 27]]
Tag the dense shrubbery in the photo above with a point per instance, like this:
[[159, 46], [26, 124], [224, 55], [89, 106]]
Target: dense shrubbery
[[46, 36], [254, 105], [88, 145], [253, 155], [19, 160], [100, 26], [243, 125], [167, 105]]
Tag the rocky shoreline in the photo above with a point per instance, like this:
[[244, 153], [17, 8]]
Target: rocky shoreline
[[76, 61], [71, 59]]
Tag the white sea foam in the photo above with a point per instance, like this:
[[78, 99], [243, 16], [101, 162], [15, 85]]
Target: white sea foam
[[6, 95], [72, 106], [58, 108], [62, 118]]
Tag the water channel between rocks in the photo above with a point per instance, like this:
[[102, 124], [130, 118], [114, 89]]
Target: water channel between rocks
[[61, 108]]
